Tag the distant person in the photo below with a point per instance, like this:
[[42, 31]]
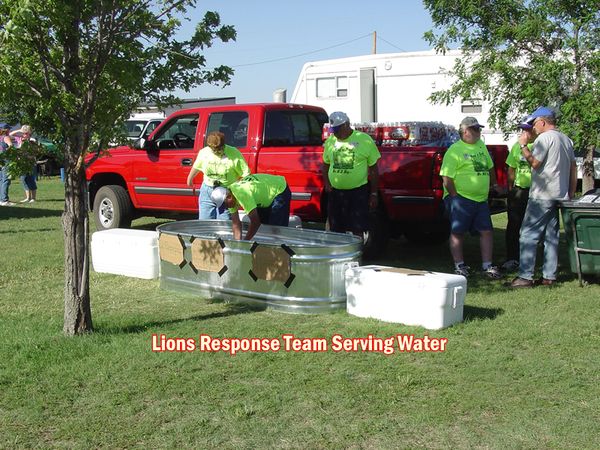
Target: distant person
[[350, 176], [519, 180], [5, 143], [467, 173], [28, 180], [265, 199], [221, 165], [553, 178]]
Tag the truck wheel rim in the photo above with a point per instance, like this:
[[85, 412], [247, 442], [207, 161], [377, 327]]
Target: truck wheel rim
[[106, 212]]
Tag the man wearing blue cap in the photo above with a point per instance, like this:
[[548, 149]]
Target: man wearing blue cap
[[553, 178], [350, 176]]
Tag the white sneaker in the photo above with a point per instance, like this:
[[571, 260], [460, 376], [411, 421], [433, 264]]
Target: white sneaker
[[32, 200], [25, 200], [463, 270], [7, 204]]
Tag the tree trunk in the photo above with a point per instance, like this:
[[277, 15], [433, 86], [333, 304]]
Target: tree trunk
[[587, 181], [78, 314]]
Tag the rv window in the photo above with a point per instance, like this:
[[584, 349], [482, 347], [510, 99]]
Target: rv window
[[471, 106], [331, 87], [233, 124], [342, 87]]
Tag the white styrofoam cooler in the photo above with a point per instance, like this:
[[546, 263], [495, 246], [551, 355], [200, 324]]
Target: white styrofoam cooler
[[133, 253], [432, 300]]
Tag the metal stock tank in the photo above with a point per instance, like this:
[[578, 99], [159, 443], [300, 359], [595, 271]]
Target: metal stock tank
[[285, 269]]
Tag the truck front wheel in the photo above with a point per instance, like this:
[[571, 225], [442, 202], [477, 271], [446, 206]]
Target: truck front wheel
[[112, 208]]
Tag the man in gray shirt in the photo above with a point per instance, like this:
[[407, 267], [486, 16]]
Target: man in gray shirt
[[553, 178]]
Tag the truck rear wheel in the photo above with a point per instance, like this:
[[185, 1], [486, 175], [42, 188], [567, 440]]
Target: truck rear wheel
[[112, 208]]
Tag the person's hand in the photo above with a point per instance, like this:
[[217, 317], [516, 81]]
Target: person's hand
[[524, 138]]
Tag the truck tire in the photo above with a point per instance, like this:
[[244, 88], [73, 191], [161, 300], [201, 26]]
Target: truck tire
[[375, 239], [112, 208]]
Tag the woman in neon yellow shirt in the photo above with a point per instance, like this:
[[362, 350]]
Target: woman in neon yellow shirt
[[221, 165]]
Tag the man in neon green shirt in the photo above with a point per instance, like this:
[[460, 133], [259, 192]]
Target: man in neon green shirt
[[467, 172], [264, 198], [519, 181], [350, 176], [221, 165]]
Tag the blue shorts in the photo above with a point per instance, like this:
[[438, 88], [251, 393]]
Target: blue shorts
[[467, 215]]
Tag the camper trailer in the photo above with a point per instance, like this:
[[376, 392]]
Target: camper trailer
[[391, 87]]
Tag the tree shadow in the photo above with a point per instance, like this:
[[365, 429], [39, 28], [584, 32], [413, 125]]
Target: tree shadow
[[232, 310], [22, 212]]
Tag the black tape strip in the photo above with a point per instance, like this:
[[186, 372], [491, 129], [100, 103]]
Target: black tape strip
[[192, 239], [288, 250], [181, 241], [182, 264], [289, 280], [253, 247], [221, 243], [193, 268], [254, 277], [223, 270]]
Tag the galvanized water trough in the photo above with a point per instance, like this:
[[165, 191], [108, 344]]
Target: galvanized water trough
[[285, 269]]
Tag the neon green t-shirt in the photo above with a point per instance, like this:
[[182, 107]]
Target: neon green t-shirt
[[517, 161], [257, 191], [349, 159], [225, 169], [469, 166]]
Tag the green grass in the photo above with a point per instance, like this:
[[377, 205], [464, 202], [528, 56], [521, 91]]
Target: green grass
[[522, 371]]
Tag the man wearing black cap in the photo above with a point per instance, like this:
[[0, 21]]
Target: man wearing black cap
[[467, 172], [519, 180], [553, 178], [5, 142], [350, 176]]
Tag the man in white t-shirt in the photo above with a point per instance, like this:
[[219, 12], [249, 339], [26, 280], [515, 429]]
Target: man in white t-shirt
[[553, 178]]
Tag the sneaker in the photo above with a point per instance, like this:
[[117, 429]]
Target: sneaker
[[32, 200], [493, 272], [544, 282], [521, 283], [7, 203], [463, 270], [510, 265], [25, 200]]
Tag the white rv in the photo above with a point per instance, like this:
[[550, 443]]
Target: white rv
[[391, 87], [140, 125]]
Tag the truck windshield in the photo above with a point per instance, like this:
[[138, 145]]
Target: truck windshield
[[134, 128]]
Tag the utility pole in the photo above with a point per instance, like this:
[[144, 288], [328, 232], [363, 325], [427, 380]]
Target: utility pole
[[374, 42]]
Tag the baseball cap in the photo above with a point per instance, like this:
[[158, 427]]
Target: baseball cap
[[4, 126], [470, 122], [218, 195], [337, 118], [525, 124], [542, 111]]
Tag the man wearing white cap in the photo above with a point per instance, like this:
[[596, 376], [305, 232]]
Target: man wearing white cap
[[553, 178], [350, 175], [265, 199], [467, 173]]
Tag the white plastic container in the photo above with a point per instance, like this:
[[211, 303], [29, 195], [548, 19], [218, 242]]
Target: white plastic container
[[430, 299], [133, 253]]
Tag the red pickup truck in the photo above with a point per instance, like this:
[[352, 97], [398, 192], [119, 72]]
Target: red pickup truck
[[277, 138]]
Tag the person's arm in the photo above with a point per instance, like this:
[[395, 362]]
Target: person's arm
[[326, 183], [254, 224], [528, 155], [8, 141], [494, 182], [573, 180], [511, 177], [449, 185], [374, 184], [191, 175], [236, 226]]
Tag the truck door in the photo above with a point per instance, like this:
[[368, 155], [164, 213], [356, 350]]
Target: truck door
[[234, 125], [159, 178]]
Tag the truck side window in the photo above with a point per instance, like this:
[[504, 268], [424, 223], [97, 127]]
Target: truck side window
[[233, 124], [179, 133], [150, 128], [293, 128]]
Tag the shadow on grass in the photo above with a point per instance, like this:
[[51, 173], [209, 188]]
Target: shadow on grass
[[26, 212], [232, 310], [477, 313]]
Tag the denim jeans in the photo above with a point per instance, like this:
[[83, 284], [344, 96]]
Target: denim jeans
[[541, 218], [207, 208], [4, 184], [279, 211], [28, 181]]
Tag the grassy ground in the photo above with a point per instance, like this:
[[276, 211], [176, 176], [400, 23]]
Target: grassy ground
[[520, 372]]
